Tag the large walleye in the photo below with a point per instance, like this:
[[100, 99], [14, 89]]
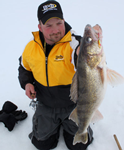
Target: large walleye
[[89, 82]]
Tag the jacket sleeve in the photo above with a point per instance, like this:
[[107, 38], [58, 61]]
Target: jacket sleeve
[[24, 75], [78, 38], [77, 41]]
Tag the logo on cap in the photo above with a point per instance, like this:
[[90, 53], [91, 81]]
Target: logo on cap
[[49, 7]]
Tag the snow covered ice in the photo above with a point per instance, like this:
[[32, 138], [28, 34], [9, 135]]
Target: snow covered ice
[[18, 20]]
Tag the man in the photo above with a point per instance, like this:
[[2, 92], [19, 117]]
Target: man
[[46, 69]]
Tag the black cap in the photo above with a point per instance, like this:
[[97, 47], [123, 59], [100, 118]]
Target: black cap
[[49, 9]]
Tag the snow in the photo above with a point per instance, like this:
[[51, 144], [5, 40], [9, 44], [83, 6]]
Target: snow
[[18, 20]]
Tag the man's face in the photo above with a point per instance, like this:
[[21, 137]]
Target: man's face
[[53, 30]]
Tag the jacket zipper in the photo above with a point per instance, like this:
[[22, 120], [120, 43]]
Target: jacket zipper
[[46, 62], [47, 72]]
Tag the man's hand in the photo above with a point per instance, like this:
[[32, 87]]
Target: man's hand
[[29, 91], [77, 52]]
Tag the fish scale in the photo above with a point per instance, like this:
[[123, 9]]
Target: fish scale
[[89, 82]]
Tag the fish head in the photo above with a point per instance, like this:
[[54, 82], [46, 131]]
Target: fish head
[[92, 40], [91, 45]]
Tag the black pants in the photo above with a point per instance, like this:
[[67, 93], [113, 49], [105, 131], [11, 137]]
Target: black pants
[[52, 141], [46, 127]]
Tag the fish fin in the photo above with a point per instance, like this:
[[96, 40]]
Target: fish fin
[[97, 116], [102, 74], [73, 116], [102, 68], [73, 90], [102, 63], [114, 78], [83, 138]]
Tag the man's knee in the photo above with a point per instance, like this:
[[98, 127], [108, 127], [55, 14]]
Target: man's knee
[[50, 143], [79, 146]]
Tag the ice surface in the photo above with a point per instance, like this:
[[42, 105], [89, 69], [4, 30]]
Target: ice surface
[[18, 20]]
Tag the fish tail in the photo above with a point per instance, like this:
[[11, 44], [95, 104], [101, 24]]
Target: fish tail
[[83, 138]]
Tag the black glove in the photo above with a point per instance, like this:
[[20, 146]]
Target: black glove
[[9, 107], [20, 115], [10, 116], [8, 119]]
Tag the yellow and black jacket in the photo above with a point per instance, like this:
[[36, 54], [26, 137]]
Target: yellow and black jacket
[[52, 75]]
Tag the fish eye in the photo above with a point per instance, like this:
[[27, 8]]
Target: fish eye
[[88, 39]]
